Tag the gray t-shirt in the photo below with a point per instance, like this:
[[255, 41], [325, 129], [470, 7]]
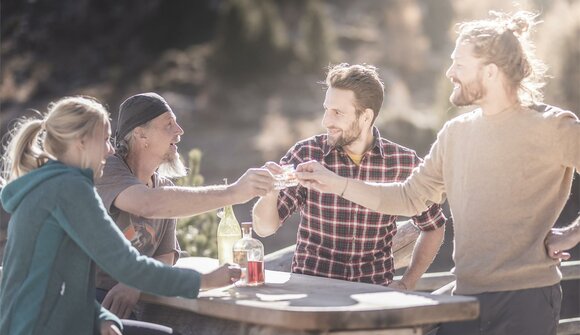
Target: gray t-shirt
[[152, 237]]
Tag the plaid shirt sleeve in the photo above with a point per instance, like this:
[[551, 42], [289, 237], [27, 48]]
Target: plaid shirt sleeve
[[430, 219]]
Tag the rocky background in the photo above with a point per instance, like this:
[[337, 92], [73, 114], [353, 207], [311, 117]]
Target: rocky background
[[241, 75]]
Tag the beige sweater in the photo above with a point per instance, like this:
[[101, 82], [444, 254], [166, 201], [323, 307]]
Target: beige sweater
[[507, 178]]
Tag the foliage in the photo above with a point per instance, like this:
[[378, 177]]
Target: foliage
[[252, 40], [257, 38], [197, 235], [49, 48], [317, 41], [437, 19], [571, 71], [558, 45]]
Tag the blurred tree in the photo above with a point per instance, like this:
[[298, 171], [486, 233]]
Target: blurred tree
[[558, 45], [252, 41], [197, 235], [545, 5], [180, 24], [317, 43], [437, 19], [50, 47], [406, 47], [571, 70], [442, 108]]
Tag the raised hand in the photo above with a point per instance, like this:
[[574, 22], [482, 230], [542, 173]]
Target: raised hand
[[255, 182], [273, 167], [313, 175], [226, 274]]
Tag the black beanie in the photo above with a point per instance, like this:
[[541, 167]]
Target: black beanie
[[137, 110]]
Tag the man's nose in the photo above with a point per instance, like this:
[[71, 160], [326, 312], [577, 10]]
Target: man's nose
[[326, 122], [449, 72], [179, 129]]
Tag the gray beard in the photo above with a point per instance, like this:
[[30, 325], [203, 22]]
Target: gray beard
[[173, 167]]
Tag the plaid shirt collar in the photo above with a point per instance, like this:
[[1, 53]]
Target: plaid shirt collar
[[376, 147]]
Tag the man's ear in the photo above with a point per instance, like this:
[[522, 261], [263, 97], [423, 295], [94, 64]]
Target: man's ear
[[368, 115], [491, 71]]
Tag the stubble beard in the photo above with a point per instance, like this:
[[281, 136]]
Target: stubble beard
[[470, 93], [347, 137]]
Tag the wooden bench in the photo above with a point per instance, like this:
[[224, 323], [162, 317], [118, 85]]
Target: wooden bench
[[435, 280]]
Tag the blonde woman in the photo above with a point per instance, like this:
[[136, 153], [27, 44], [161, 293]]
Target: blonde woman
[[59, 230]]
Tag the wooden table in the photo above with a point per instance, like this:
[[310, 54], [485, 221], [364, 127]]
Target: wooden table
[[298, 304]]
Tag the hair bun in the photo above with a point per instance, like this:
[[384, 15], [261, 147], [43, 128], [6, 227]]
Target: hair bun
[[520, 23]]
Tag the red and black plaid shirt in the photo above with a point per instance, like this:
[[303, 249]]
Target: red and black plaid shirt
[[340, 239]]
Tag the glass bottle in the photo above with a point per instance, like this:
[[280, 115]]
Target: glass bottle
[[228, 232], [249, 255]]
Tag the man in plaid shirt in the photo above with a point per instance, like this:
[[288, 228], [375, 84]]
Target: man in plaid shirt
[[337, 238]]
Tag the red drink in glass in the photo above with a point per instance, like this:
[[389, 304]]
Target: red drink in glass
[[255, 273]]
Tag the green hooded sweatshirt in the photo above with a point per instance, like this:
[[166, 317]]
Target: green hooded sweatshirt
[[58, 230]]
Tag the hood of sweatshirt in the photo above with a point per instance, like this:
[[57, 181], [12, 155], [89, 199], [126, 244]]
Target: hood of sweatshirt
[[15, 191]]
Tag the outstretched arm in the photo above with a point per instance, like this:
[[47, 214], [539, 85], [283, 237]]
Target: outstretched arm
[[121, 299], [314, 175], [175, 201], [388, 198]]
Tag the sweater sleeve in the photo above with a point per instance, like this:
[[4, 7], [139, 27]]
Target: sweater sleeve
[[84, 218], [568, 134], [423, 188]]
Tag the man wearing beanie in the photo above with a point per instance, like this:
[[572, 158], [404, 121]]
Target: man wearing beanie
[[142, 200]]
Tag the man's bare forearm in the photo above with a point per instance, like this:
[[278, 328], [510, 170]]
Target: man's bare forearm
[[265, 215], [173, 201], [425, 250]]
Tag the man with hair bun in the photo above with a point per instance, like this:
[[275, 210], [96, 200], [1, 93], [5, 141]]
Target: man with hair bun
[[506, 169]]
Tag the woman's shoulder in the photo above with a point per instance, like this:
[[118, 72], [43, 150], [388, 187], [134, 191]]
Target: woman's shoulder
[[69, 180]]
